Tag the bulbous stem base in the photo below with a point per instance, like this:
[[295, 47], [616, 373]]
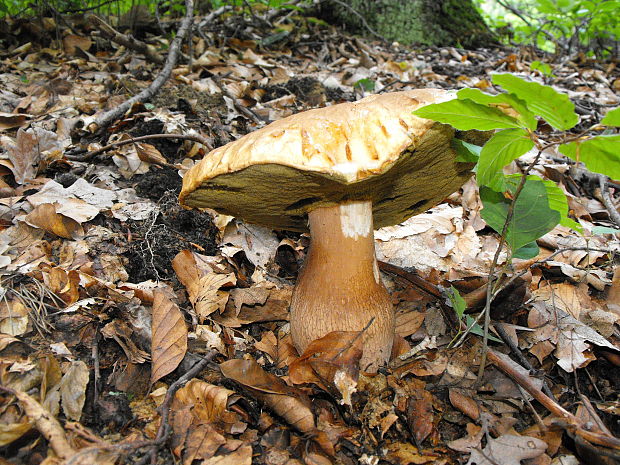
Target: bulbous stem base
[[339, 287]]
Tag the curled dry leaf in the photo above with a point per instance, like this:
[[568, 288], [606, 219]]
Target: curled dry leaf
[[420, 414], [169, 336], [45, 217], [30, 147], [289, 403], [73, 390], [203, 285], [331, 362]]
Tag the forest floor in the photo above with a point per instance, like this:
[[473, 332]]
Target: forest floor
[[134, 331]]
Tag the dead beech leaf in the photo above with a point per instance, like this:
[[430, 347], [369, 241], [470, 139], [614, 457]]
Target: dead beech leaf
[[420, 414], [169, 336], [241, 456], [149, 154], [201, 443], [71, 42], [208, 401], [203, 286], [331, 362], [507, 450], [464, 403], [30, 147], [288, 402], [45, 217], [73, 390], [10, 432]]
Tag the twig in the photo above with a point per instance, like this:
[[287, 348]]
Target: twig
[[244, 110], [130, 42], [87, 156], [569, 421], [106, 118], [606, 198], [47, 425]]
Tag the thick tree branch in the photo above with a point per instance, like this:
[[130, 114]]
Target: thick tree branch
[[108, 117]]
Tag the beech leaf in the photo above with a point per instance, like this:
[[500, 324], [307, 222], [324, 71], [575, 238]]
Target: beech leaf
[[169, 336]]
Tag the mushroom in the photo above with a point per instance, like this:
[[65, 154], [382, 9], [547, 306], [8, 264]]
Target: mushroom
[[337, 169]]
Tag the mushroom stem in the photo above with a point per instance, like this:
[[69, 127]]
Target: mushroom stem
[[339, 287]]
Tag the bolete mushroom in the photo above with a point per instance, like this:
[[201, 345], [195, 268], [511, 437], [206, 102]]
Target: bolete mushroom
[[337, 169]]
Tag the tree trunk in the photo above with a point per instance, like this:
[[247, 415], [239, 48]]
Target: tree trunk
[[423, 22]]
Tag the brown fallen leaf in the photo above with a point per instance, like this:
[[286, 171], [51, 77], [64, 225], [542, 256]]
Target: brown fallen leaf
[[202, 284], [45, 217], [169, 343], [420, 414], [507, 450], [331, 362], [73, 390], [30, 147], [464, 403], [289, 403]]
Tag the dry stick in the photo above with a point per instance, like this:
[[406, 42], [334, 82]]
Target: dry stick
[[130, 42], [572, 423], [47, 425], [194, 137], [606, 198], [246, 111], [105, 119]]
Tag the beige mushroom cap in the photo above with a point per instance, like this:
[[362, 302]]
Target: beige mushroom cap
[[373, 149]]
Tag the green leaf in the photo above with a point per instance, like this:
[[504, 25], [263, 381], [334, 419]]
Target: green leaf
[[526, 116], [466, 114], [531, 219], [612, 118], [544, 68], [501, 149], [596, 230], [544, 101], [600, 154], [477, 329], [559, 203], [458, 303], [365, 84], [466, 152], [527, 251]]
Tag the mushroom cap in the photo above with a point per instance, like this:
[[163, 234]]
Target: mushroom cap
[[373, 149]]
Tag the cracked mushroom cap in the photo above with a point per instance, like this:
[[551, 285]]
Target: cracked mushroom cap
[[373, 149]]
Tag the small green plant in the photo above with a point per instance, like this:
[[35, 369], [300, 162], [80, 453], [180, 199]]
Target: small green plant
[[560, 26], [523, 207]]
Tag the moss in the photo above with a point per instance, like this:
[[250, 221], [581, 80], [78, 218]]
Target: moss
[[425, 22]]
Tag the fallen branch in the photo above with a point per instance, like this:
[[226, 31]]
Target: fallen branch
[[46, 424], [131, 43], [108, 117], [568, 420]]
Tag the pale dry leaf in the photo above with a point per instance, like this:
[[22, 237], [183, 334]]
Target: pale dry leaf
[[10, 432], [260, 244], [169, 343], [202, 442], [202, 285], [507, 450], [73, 390], [45, 217], [28, 150], [241, 456]]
